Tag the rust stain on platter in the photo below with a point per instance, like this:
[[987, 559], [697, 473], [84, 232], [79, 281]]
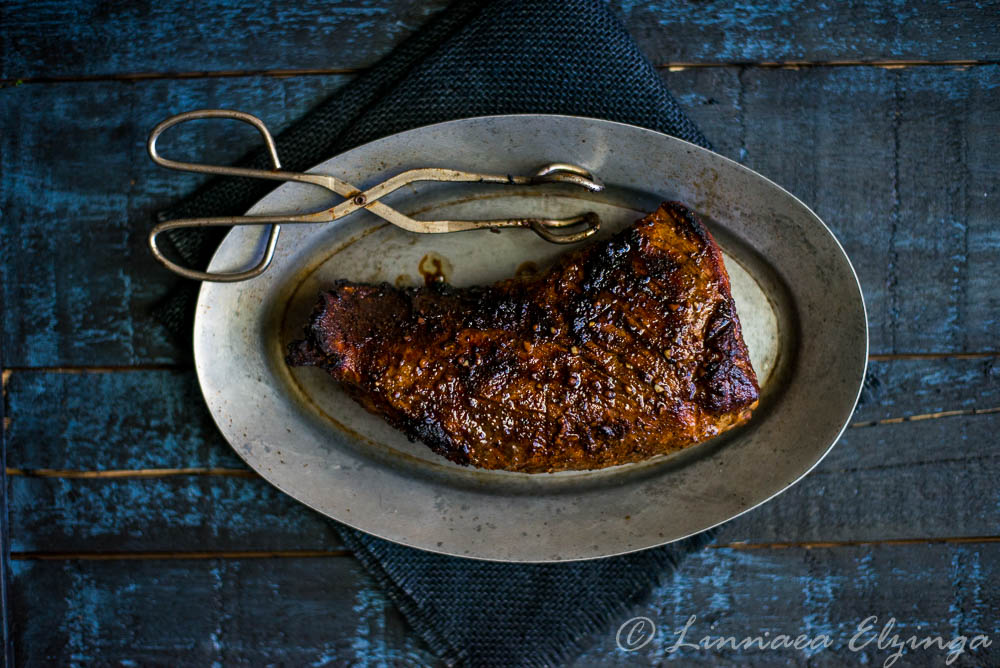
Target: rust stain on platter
[[526, 269], [435, 268]]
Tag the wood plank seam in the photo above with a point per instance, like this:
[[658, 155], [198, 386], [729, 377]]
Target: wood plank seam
[[889, 64], [669, 66], [132, 473], [889, 357], [964, 461], [811, 545], [124, 368], [927, 416]]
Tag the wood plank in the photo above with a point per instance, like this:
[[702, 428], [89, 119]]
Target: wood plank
[[80, 39], [862, 167], [115, 420], [808, 31], [949, 203], [913, 387], [176, 514], [325, 610], [222, 612], [932, 477], [92, 39]]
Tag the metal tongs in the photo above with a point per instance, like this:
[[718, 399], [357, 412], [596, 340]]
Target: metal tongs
[[356, 199]]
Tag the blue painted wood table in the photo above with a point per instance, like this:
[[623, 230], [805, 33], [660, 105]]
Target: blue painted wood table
[[132, 535]]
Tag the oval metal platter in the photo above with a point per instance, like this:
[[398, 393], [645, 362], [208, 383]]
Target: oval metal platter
[[797, 295]]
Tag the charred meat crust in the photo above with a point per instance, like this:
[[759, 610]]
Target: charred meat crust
[[621, 350]]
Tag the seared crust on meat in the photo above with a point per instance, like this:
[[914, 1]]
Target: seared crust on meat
[[622, 350]]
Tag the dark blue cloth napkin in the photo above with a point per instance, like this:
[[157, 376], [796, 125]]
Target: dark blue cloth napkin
[[508, 56]]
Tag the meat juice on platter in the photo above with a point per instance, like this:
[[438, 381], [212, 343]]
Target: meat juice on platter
[[620, 351]]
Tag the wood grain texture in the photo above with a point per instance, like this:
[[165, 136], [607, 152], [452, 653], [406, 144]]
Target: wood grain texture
[[903, 180], [909, 387], [51, 40], [801, 30], [929, 589], [76, 176], [112, 420], [900, 162], [321, 611], [930, 478], [925, 253], [91, 38], [326, 611], [161, 514]]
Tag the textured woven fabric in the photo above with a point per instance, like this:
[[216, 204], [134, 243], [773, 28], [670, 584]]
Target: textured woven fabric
[[508, 56]]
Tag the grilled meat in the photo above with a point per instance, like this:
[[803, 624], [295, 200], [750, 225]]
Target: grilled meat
[[622, 350]]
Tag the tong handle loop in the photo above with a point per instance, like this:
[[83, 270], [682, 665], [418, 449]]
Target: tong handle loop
[[272, 150], [250, 119], [230, 277], [274, 174]]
